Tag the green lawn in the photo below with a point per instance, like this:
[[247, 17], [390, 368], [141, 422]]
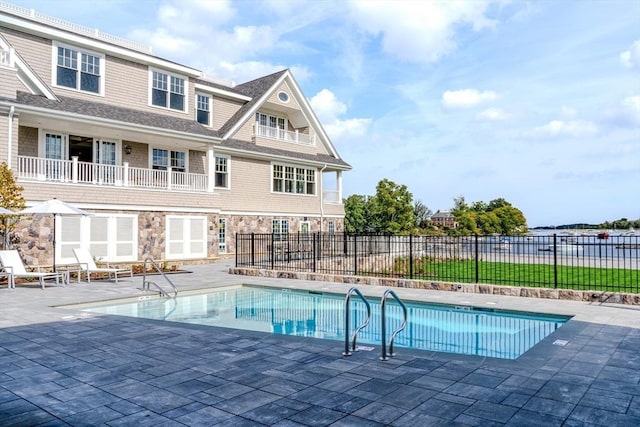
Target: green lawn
[[537, 275]]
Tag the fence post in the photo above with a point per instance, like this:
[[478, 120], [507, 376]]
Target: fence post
[[273, 250], [477, 257], [555, 262], [355, 254], [237, 251], [253, 250], [411, 256], [315, 251]]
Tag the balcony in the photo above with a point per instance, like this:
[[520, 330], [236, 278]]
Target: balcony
[[278, 134], [76, 172]]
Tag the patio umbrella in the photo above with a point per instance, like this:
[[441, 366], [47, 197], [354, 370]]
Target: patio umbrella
[[54, 207]]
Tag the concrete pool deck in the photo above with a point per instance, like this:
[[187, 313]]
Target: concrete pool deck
[[67, 367]]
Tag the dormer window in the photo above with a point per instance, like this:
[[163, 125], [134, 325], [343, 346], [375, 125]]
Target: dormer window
[[168, 91], [203, 109], [78, 69]]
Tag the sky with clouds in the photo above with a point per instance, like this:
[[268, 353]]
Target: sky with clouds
[[537, 102]]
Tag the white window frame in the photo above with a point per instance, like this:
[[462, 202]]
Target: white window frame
[[222, 236], [277, 227], [169, 76], [288, 175], [187, 253], [79, 51], [266, 130], [42, 135], [112, 238], [228, 172], [209, 111], [303, 225], [331, 227], [169, 150]]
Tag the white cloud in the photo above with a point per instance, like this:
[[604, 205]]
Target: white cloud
[[467, 98], [559, 128], [328, 109], [568, 112], [419, 32], [491, 114], [631, 58]]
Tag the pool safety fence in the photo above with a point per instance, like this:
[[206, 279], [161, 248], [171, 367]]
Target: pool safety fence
[[585, 262]]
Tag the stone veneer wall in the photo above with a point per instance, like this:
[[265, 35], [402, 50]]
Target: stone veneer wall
[[260, 224], [518, 291], [33, 235]]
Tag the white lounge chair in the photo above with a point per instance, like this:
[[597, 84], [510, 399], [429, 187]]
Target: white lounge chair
[[14, 267], [87, 265]]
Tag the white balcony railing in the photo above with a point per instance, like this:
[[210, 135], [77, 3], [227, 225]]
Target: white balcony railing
[[331, 196], [74, 171], [285, 135]]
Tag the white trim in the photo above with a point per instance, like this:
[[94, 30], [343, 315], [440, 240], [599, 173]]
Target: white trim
[[195, 108], [228, 187], [27, 77], [31, 27], [276, 158], [169, 149], [305, 108], [268, 215], [54, 67], [221, 92], [294, 166], [169, 75], [186, 236]]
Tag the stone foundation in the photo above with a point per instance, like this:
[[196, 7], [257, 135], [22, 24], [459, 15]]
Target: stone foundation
[[521, 291]]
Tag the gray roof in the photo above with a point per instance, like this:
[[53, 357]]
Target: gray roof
[[160, 121], [111, 112], [253, 89]]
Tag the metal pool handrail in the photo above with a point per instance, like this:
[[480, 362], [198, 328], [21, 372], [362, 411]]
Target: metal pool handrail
[[146, 283], [383, 326], [347, 321]]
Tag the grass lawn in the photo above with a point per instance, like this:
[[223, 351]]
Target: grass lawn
[[537, 275]]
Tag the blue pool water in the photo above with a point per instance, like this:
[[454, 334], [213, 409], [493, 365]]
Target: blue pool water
[[435, 327]]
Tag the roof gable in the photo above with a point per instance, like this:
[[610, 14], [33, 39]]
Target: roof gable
[[26, 75], [260, 91]]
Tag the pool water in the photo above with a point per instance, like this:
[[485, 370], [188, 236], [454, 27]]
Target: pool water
[[435, 327]]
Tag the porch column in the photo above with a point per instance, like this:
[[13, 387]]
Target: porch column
[[339, 185], [211, 169]]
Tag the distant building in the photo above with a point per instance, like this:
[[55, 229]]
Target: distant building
[[444, 219]]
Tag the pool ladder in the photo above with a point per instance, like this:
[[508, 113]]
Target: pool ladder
[[146, 283], [348, 350]]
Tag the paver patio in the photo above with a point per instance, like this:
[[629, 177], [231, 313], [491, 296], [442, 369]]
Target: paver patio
[[67, 367]]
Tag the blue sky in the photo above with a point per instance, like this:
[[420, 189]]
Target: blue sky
[[537, 102]]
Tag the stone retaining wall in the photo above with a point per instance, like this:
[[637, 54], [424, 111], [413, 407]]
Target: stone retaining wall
[[517, 291]]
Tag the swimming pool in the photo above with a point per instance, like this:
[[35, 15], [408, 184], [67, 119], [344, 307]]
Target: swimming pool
[[435, 327]]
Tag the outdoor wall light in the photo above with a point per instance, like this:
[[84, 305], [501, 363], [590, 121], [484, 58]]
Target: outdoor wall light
[[127, 149]]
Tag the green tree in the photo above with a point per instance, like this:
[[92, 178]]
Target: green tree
[[391, 209], [422, 214], [356, 215], [10, 198], [496, 217]]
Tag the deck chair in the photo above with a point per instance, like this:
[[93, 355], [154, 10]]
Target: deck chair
[[14, 268], [87, 265]]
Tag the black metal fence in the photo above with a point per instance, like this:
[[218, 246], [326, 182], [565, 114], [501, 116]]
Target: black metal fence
[[566, 261]]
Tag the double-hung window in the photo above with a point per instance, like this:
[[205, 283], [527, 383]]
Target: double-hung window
[[295, 180], [222, 172], [203, 109], [79, 70], [162, 159], [168, 91], [280, 228]]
